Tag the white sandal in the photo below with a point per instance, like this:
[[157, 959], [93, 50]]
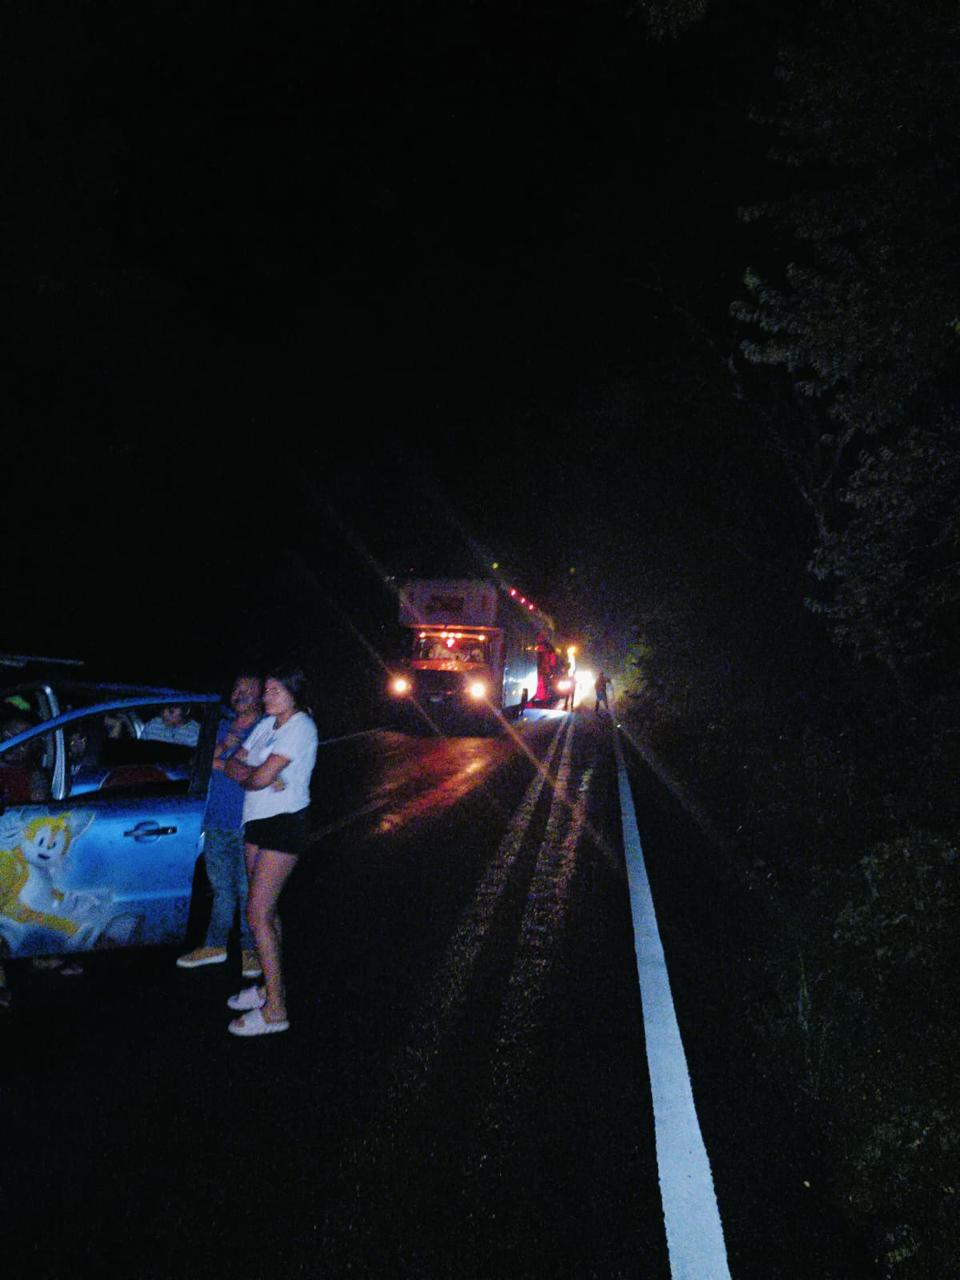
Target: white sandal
[[253, 1023], [248, 998]]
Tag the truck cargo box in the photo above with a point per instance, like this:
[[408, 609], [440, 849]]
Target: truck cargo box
[[455, 602]]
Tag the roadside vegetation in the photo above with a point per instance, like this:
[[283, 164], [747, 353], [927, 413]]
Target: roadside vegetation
[[828, 759], [843, 834]]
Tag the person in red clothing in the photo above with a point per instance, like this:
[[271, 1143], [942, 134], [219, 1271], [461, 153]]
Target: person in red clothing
[[22, 781]]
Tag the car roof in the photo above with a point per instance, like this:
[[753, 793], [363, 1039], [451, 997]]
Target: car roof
[[106, 691], [39, 661]]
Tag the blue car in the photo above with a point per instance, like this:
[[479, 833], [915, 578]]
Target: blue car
[[103, 792]]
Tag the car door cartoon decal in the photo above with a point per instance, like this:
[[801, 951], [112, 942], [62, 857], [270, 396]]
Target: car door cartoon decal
[[36, 905], [74, 879]]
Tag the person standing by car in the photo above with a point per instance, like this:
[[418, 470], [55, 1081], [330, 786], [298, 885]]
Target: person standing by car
[[223, 840], [275, 771], [601, 685]]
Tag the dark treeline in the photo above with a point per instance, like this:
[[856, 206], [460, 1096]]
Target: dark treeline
[[829, 759]]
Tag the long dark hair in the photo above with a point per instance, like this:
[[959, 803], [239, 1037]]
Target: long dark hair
[[296, 683]]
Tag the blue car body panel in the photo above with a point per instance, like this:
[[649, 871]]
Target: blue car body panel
[[109, 867], [104, 875]]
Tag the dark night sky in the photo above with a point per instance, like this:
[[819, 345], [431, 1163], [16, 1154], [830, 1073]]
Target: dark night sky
[[289, 287]]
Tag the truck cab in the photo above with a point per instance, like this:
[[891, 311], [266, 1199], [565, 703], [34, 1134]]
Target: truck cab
[[471, 655]]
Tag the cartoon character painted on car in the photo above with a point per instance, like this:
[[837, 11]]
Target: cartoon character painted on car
[[36, 912]]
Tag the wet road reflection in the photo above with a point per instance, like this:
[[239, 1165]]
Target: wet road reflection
[[388, 781], [463, 1091]]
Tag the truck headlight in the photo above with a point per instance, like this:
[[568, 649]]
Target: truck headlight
[[477, 689], [400, 685]]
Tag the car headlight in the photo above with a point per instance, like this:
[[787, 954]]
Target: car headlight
[[564, 686], [400, 685], [477, 689]]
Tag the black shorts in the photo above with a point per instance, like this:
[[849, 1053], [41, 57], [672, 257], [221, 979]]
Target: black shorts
[[283, 833]]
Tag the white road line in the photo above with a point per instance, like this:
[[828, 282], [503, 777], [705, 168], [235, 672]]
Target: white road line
[[539, 939], [539, 933], [373, 807], [346, 737], [694, 1231], [407, 1077], [525, 999], [453, 975]]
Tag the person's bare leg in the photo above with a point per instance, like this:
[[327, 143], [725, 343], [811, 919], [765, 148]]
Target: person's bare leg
[[271, 871], [250, 852]]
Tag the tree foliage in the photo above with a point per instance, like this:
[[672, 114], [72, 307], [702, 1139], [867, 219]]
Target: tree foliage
[[856, 315], [863, 315], [893, 572], [668, 18]]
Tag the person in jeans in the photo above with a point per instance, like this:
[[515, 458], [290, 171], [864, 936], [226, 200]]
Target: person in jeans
[[223, 842]]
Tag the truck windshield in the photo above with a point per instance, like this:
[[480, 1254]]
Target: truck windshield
[[449, 646]]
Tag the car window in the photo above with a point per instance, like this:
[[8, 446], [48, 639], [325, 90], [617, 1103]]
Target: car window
[[124, 751]]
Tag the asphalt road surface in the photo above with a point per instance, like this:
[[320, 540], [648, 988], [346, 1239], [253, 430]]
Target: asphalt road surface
[[463, 1091]]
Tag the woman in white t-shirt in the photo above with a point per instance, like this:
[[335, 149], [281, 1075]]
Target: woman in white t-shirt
[[273, 767]]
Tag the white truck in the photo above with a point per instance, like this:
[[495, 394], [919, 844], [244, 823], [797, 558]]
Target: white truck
[[477, 650]]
